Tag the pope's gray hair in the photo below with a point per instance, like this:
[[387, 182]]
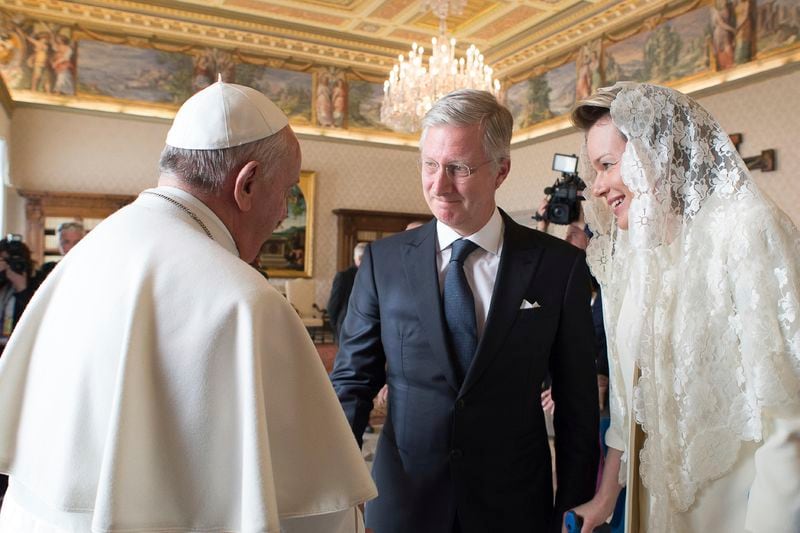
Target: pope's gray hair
[[467, 107], [206, 170]]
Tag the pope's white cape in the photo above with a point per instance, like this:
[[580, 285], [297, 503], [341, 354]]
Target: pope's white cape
[[157, 382]]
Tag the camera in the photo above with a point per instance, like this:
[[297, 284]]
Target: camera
[[18, 264], [19, 257], [564, 204]]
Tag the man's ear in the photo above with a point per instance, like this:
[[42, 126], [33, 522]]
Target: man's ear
[[243, 186], [502, 172]]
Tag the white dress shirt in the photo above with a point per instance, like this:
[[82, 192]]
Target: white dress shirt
[[480, 267]]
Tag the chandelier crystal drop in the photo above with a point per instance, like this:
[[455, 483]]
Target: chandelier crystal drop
[[412, 88]]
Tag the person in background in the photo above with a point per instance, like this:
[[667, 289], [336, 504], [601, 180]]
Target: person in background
[[463, 317], [16, 286], [701, 282], [156, 382], [577, 234], [68, 235], [16, 289], [340, 291]]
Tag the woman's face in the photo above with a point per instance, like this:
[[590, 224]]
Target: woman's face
[[605, 145]]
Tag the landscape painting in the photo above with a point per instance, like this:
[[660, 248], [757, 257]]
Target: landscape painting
[[777, 24], [132, 73], [677, 48], [364, 105], [624, 61], [542, 97], [290, 90], [562, 82]]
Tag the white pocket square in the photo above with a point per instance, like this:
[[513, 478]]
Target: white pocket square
[[527, 305]]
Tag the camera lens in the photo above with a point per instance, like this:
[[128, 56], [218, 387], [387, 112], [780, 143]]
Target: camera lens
[[558, 213]]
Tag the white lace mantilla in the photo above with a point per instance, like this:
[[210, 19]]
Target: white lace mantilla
[[713, 268]]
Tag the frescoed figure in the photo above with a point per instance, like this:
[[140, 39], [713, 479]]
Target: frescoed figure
[[38, 61], [324, 103], [339, 99], [723, 32], [63, 65]]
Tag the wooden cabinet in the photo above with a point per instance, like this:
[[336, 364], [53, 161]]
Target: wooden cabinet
[[45, 210], [356, 226]]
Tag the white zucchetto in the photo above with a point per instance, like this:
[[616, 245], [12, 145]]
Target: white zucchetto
[[224, 115]]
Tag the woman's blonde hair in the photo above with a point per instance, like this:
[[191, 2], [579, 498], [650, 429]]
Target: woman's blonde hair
[[592, 108]]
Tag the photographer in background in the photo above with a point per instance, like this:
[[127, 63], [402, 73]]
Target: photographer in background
[[16, 289], [577, 234], [16, 286]]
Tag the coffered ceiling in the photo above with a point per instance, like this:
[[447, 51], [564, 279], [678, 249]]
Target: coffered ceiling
[[365, 36]]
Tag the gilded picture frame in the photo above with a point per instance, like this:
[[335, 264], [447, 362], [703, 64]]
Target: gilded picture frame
[[289, 252]]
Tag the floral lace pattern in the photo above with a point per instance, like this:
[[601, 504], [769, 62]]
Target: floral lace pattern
[[714, 270]]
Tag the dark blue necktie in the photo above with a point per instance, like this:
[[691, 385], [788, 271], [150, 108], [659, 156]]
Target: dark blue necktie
[[459, 306]]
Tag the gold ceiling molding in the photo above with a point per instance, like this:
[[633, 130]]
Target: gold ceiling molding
[[157, 23], [573, 31]]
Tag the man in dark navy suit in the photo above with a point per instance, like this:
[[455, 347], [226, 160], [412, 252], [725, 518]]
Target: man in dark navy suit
[[463, 318], [340, 291]]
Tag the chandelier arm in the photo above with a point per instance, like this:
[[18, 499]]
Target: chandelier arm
[[412, 88]]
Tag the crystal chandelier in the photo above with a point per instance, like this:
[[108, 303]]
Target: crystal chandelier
[[412, 88]]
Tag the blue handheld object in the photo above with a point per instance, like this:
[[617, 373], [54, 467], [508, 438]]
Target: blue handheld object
[[573, 522]]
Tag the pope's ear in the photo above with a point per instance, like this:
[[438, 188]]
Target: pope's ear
[[244, 185]]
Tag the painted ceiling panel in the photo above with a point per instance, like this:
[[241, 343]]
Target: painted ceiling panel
[[286, 11]]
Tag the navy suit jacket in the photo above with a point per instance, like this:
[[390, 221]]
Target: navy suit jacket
[[340, 294], [479, 449]]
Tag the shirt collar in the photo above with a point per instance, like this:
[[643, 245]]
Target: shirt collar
[[488, 237], [218, 230]]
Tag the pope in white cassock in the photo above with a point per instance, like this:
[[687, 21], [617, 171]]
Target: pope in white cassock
[[159, 383]]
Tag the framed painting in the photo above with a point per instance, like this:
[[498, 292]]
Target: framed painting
[[289, 252]]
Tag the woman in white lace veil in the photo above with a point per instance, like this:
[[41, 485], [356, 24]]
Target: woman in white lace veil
[[701, 282]]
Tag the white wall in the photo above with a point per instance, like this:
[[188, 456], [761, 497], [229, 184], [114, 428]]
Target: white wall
[[62, 150]]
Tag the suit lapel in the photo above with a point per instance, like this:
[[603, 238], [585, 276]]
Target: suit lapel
[[419, 264], [518, 264]]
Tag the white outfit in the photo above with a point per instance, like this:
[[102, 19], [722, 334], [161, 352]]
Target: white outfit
[[156, 382], [702, 293]]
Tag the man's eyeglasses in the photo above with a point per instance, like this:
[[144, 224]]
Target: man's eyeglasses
[[457, 171]]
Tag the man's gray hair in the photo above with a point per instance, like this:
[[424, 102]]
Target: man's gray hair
[[207, 170], [358, 251], [67, 226], [467, 107]]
